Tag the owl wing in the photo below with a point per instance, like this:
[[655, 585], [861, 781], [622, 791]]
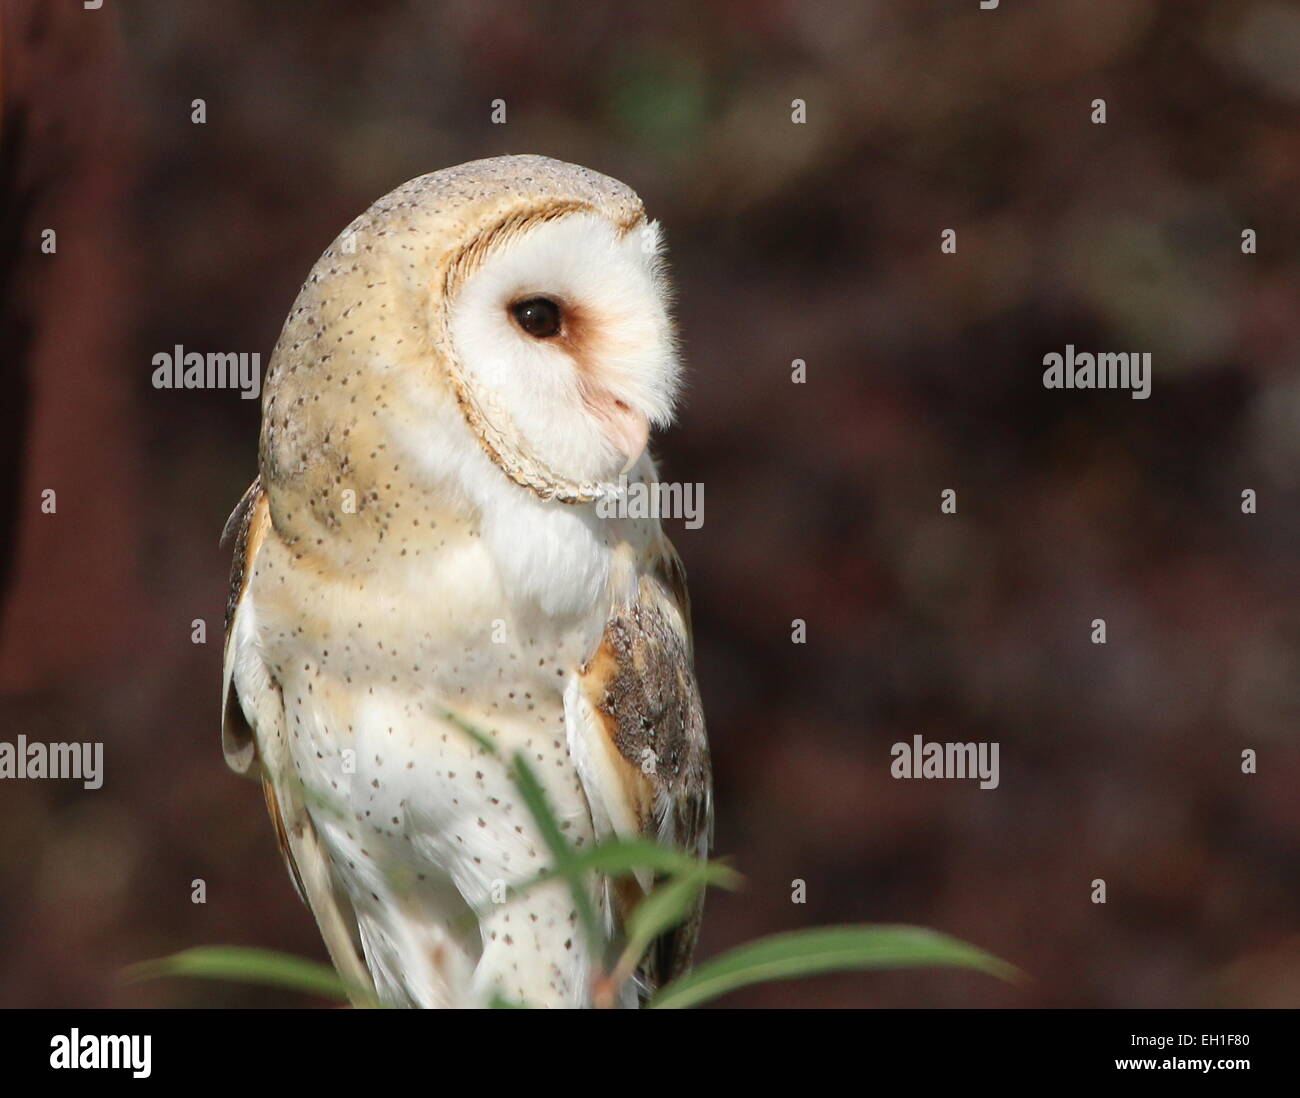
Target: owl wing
[[252, 736], [636, 732]]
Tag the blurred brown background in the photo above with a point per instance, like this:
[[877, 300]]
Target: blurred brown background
[[818, 242]]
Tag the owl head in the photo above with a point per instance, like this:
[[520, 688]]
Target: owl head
[[522, 297]]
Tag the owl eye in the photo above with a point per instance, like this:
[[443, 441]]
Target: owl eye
[[538, 316]]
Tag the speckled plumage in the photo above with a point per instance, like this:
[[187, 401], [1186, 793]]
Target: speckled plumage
[[422, 552]]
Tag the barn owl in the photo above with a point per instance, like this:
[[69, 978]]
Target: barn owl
[[470, 369]]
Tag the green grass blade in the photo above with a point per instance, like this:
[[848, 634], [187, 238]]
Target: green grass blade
[[663, 909], [472, 731], [530, 789], [250, 966], [623, 857], [826, 949]]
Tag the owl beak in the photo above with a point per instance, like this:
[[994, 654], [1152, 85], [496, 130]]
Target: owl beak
[[624, 426], [630, 432]]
